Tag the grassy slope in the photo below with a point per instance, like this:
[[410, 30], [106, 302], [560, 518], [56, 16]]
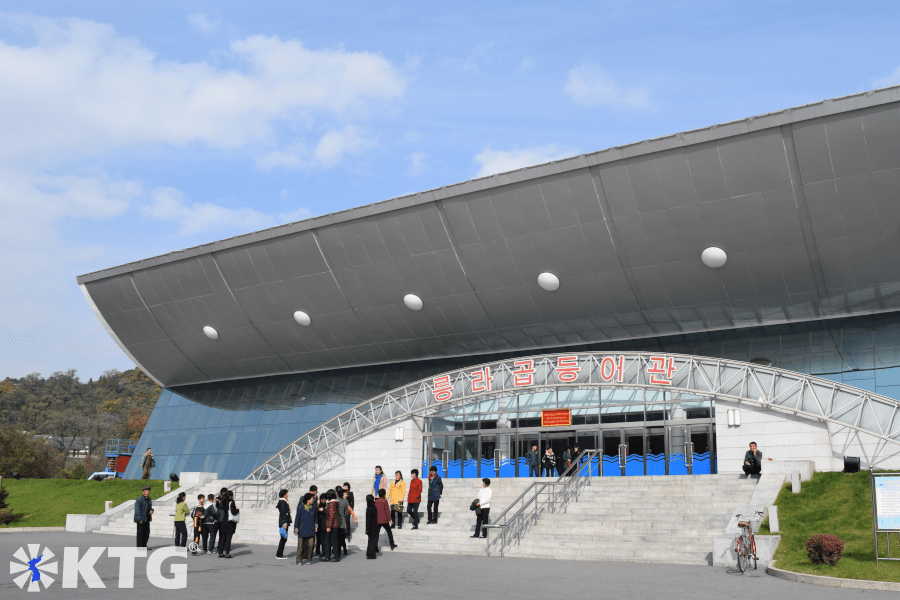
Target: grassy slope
[[46, 502], [839, 504]]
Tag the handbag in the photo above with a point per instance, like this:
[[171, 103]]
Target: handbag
[[397, 507], [234, 518], [282, 532]]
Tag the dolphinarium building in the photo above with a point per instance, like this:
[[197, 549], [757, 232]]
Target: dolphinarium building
[[664, 303]]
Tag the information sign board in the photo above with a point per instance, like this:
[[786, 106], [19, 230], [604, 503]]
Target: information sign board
[[556, 418], [887, 502]]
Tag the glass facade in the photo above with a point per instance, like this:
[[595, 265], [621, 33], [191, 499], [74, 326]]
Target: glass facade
[[640, 432], [231, 427]]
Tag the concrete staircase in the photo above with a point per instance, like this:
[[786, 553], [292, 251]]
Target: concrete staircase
[[669, 519]]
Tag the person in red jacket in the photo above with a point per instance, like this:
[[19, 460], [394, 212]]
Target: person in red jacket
[[413, 498], [384, 515], [332, 524]]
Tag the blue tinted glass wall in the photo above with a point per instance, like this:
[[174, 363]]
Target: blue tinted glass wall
[[232, 427]]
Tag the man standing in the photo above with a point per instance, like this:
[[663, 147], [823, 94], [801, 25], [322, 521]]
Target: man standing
[[414, 498], [484, 503], [284, 522], [753, 461], [209, 522], [143, 514], [534, 462], [435, 489], [147, 463]]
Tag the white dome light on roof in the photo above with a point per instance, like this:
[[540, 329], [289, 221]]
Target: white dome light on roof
[[412, 302], [211, 333], [714, 257], [302, 318], [548, 281]]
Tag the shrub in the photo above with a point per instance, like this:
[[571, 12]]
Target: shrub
[[77, 472], [6, 517], [824, 549], [3, 494]]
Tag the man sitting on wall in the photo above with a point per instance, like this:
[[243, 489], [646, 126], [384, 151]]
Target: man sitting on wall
[[753, 461]]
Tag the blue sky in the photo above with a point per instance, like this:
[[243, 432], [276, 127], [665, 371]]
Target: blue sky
[[131, 131]]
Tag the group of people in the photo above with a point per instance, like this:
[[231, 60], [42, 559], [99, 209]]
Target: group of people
[[547, 465], [323, 523], [213, 517]]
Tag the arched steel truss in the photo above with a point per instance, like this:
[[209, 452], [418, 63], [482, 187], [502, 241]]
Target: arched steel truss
[[322, 448]]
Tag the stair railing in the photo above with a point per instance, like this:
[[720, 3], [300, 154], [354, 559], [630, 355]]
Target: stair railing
[[540, 498]]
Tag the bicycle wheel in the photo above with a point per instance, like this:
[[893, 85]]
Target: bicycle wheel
[[742, 549], [753, 550]]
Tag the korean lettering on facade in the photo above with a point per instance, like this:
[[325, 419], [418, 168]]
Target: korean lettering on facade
[[659, 369]]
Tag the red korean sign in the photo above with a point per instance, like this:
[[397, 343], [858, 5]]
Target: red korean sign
[[556, 418], [559, 370]]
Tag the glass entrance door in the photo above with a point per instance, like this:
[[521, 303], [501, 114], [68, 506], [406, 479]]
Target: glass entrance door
[[526, 441], [634, 452], [679, 460], [612, 440], [470, 456], [702, 445], [655, 457], [488, 465]]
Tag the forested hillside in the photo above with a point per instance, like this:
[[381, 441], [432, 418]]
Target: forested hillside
[[117, 405]]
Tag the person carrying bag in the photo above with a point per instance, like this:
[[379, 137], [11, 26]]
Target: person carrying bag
[[395, 495]]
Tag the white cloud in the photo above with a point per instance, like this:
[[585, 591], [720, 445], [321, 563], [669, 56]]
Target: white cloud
[[501, 161], [412, 136], [328, 152], [417, 162], [526, 64], [202, 23], [301, 214], [168, 204], [83, 89], [590, 85], [335, 144], [888, 80]]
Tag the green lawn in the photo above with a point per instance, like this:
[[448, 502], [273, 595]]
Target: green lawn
[[46, 502], [839, 504]]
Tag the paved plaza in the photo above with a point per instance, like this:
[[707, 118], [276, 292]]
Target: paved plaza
[[254, 573]]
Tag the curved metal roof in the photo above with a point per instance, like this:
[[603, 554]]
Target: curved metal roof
[[806, 203]]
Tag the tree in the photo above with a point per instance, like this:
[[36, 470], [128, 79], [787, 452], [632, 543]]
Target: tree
[[135, 424], [20, 453]]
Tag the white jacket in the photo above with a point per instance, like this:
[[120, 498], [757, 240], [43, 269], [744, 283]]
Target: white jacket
[[484, 497]]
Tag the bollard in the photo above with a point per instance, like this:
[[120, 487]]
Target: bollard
[[773, 519], [795, 482], [167, 486], [107, 505]]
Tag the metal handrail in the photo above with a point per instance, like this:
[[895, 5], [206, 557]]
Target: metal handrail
[[514, 526]]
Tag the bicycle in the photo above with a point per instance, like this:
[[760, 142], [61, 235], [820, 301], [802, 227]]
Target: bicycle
[[745, 544]]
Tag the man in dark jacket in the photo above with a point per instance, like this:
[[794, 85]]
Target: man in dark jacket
[[143, 514], [284, 522], [209, 521], [435, 489], [753, 461], [534, 461]]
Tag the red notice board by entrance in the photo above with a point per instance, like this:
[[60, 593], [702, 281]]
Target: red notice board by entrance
[[556, 418]]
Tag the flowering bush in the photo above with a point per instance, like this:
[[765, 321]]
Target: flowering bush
[[6, 517], [824, 549]]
